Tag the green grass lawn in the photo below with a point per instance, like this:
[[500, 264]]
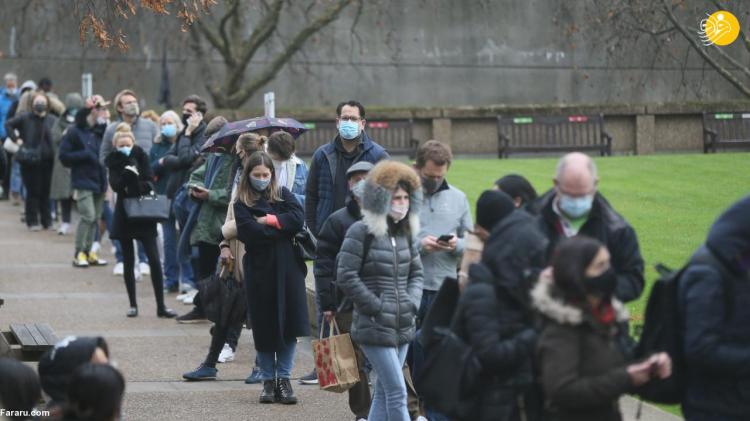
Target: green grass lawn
[[670, 200]]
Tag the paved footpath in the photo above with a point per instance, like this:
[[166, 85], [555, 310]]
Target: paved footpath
[[39, 284]]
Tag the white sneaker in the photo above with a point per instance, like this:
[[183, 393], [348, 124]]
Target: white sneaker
[[184, 294], [95, 247], [362, 419], [63, 229], [144, 268], [421, 418], [137, 273], [119, 269], [227, 355], [188, 300]]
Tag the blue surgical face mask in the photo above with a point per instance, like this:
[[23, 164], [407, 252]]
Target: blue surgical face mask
[[125, 150], [259, 184], [348, 129], [575, 207], [169, 130]]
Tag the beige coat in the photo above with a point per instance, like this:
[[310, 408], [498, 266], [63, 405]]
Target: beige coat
[[229, 231]]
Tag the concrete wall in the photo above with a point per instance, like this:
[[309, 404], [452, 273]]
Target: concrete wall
[[416, 53]]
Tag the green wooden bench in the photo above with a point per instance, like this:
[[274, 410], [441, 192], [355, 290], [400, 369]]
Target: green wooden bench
[[27, 342]]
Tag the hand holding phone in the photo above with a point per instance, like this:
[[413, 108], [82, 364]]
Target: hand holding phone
[[445, 238]]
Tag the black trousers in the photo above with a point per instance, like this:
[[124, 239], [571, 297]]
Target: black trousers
[[38, 180], [6, 175], [128, 260], [66, 208]]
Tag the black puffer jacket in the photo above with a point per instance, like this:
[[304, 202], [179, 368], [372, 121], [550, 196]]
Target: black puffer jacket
[[330, 238], [609, 227], [495, 317], [716, 315], [386, 288], [127, 184]]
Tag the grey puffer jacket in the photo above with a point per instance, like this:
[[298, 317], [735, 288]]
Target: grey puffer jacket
[[386, 288]]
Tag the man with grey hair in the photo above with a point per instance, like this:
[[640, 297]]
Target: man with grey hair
[[575, 207]]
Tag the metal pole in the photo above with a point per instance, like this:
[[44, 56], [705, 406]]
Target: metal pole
[[87, 85], [269, 104]]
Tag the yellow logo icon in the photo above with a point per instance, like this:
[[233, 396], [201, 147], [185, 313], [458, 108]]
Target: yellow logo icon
[[720, 28]]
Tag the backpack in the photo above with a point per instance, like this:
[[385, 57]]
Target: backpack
[[662, 332]]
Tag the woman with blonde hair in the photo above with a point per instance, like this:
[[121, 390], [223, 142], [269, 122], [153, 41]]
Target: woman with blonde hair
[[170, 126], [130, 176]]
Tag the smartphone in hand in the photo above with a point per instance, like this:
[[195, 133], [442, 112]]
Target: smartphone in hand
[[445, 238]]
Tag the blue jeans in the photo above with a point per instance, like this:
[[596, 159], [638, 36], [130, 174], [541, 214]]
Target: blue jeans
[[389, 399], [118, 252], [174, 271], [16, 183], [277, 364]]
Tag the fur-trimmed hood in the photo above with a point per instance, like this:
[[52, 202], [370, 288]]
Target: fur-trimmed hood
[[376, 199], [549, 305]]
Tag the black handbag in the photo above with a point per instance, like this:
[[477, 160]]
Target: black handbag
[[28, 156], [307, 243], [223, 298], [148, 208]]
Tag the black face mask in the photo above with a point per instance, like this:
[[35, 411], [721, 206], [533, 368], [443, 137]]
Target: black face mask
[[603, 285], [185, 118], [431, 185]]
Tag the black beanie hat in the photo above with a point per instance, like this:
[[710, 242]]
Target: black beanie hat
[[57, 365], [492, 207]]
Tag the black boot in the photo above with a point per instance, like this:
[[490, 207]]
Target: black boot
[[268, 395], [284, 392]]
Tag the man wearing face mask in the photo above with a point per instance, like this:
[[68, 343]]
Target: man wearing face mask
[[327, 187], [79, 150], [575, 207], [128, 111]]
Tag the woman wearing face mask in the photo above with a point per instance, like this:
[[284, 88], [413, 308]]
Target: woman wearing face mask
[[379, 269], [35, 132], [130, 176], [583, 371], [267, 218], [292, 171]]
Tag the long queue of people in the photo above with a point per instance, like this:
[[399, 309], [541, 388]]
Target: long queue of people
[[542, 280]]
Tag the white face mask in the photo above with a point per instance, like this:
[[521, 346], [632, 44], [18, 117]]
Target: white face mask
[[398, 212]]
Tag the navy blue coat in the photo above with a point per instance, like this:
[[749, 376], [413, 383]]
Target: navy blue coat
[[274, 272], [716, 321], [79, 151], [319, 198]]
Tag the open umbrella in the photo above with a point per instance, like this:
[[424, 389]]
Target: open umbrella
[[223, 140]]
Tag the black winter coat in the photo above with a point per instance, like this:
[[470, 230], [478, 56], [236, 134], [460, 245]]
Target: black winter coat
[[609, 227], [716, 315], [495, 318], [126, 184], [35, 131], [274, 271], [330, 239], [181, 157], [79, 151]]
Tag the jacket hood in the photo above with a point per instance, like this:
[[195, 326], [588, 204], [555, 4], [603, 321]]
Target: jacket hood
[[729, 237], [551, 305], [515, 250], [378, 190]]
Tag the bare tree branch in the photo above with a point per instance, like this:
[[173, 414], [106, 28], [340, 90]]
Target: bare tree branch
[[233, 6], [704, 54], [298, 41]]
